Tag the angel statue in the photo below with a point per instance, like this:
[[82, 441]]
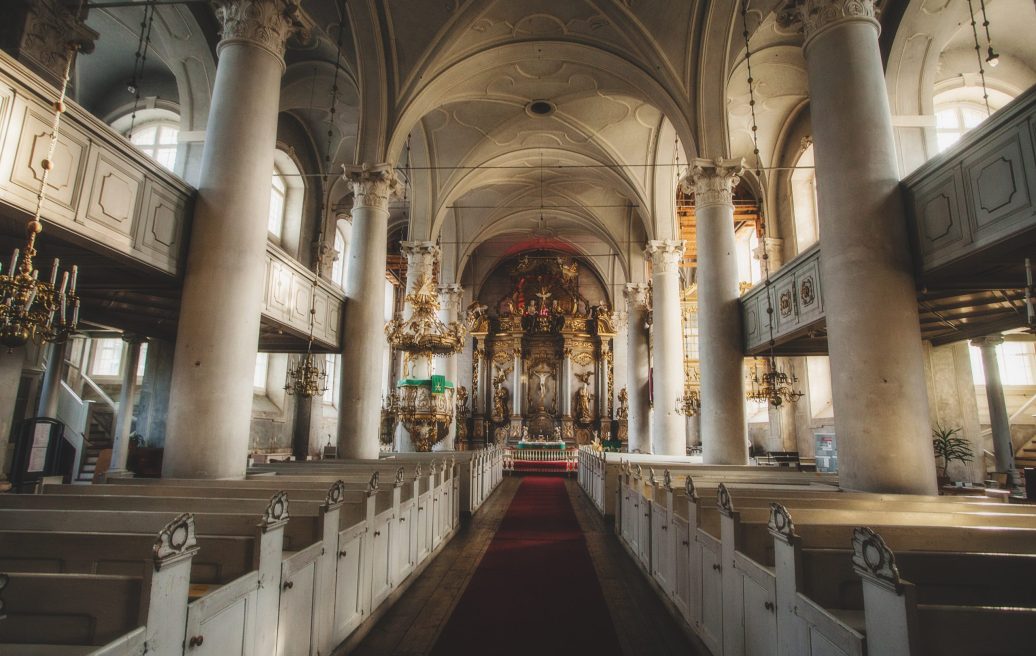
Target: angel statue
[[623, 412]]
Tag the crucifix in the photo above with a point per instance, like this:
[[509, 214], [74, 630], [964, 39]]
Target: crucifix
[[543, 295]]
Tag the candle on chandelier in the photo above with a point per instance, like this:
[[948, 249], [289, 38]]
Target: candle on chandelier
[[54, 272], [14, 262], [75, 313], [75, 274], [64, 282]]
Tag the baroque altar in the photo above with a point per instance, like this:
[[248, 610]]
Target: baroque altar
[[542, 366]]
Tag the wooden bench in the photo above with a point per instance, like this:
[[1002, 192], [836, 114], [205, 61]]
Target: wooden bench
[[115, 614]]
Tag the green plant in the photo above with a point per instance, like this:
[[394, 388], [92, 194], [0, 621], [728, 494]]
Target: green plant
[[949, 447]]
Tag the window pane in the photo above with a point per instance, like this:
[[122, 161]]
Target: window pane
[[142, 362], [947, 139], [338, 266], [276, 220], [167, 135], [972, 117], [166, 157], [107, 357], [946, 119], [144, 136], [262, 365], [331, 393]]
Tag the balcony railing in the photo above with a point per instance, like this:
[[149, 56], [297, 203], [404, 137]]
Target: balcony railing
[[102, 189], [796, 296], [289, 291]]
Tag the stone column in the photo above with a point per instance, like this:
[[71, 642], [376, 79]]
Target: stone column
[[720, 347], [638, 301], [452, 295], [877, 362], [50, 389], [668, 431], [210, 408], [999, 421], [363, 340], [11, 364], [124, 415]]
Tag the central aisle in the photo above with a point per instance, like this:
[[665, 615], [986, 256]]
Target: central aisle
[[535, 590]]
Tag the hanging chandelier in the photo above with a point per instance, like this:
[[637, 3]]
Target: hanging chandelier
[[424, 334], [773, 385], [307, 374], [689, 404], [30, 308]]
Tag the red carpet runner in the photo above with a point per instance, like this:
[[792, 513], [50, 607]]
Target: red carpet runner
[[535, 591]]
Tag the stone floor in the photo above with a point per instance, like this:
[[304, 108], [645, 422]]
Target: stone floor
[[643, 624]]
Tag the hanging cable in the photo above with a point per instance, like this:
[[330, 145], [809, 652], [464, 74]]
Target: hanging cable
[[140, 59], [775, 386], [978, 56]]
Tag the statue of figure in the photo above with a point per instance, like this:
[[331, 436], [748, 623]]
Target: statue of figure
[[624, 404], [462, 398], [499, 403], [478, 319], [603, 317], [583, 402]]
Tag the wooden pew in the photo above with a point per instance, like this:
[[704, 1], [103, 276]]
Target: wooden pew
[[112, 613]]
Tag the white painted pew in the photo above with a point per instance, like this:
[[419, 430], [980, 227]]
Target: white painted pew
[[112, 614]]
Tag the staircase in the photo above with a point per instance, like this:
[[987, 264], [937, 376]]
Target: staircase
[[98, 438], [1026, 456]]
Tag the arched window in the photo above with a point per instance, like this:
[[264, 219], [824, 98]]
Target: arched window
[[804, 201], [338, 266], [286, 191], [959, 110], [156, 132]]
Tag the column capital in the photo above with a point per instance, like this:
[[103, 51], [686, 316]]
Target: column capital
[[714, 181], [373, 185], [638, 295], [665, 254], [814, 16], [989, 341], [265, 24], [43, 34], [134, 338], [419, 249], [451, 297]]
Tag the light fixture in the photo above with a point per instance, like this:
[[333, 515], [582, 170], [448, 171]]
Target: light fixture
[[32, 309], [307, 374], [773, 386], [993, 57]]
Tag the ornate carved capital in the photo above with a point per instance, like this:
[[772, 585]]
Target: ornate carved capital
[[989, 341], [43, 34], [265, 24], [451, 293], [665, 254], [638, 295], [814, 16], [714, 181], [373, 185]]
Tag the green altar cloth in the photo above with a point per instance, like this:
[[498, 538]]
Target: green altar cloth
[[541, 445]]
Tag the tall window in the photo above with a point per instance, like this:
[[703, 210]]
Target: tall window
[[154, 131], [804, 201], [278, 193], [107, 357], [338, 267], [1017, 362], [262, 369], [958, 111], [331, 393], [286, 194], [157, 139]]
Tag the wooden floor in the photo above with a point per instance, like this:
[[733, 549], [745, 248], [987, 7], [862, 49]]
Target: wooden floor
[[412, 625]]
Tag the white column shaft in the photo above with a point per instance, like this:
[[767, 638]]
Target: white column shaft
[[210, 408], [877, 363], [669, 428]]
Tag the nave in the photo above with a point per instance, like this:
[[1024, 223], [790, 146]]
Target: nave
[[518, 576]]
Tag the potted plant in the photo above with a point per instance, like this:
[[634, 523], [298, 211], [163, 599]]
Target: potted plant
[[949, 447]]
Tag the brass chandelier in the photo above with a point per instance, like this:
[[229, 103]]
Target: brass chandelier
[[307, 374], [30, 308], [424, 334], [773, 385]]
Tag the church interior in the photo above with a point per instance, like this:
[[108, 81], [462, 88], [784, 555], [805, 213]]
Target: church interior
[[482, 326]]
